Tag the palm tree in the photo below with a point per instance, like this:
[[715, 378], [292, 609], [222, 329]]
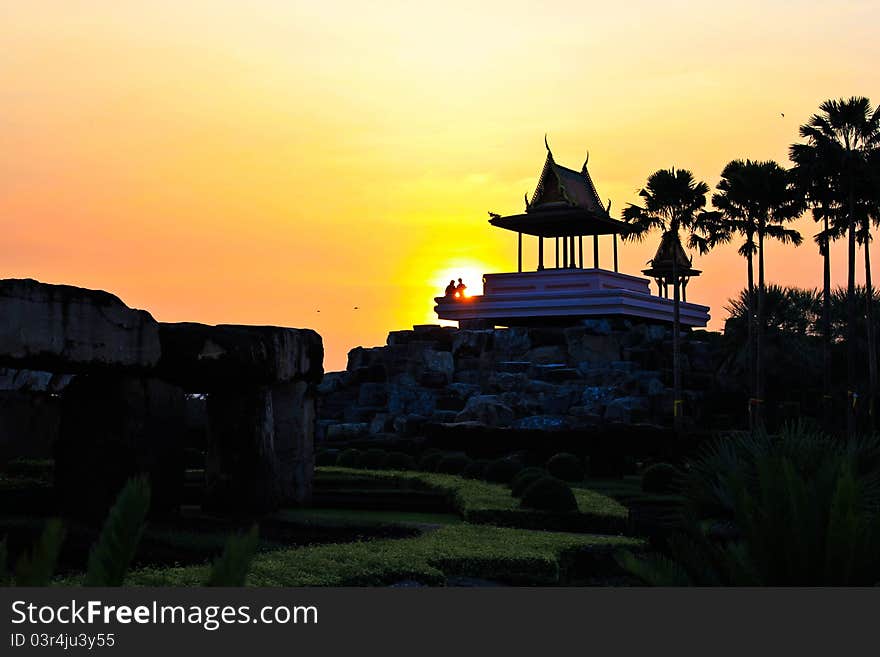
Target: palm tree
[[673, 201], [755, 199], [847, 131], [815, 175]]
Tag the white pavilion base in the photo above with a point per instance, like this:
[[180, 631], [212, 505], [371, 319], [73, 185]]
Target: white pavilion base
[[566, 294]]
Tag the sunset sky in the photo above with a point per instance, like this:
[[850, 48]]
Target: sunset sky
[[255, 162]]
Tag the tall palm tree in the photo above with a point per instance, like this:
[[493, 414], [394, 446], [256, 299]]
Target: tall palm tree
[[755, 200], [815, 175], [672, 201], [849, 130]]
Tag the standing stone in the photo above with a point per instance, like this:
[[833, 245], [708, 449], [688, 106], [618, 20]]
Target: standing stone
[[114, 427], [293, 409], [243, 468]]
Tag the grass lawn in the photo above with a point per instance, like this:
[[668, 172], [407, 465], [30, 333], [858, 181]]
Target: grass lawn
[[510, 555], [485, 503]]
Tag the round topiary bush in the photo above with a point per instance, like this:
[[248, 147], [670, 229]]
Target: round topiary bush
[[524, 479], [660, 478], [549, 494], [430, 459], [373, 458], [326, 457], [350, 458], [398, 461], [502, 471], [453, 464], [475, 469], [566, 467]]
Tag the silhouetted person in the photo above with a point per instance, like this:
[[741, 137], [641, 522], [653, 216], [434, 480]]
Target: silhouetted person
[[450, 289], [459, 289]]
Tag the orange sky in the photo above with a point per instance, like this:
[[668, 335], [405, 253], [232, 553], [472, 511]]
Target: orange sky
[[256, 162]]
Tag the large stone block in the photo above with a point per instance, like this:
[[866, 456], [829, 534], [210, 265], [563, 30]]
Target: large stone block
[[63, 328], [204, 358], [114, 427]]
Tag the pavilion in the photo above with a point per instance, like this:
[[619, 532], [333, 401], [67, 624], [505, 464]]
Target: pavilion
[[565, 208]]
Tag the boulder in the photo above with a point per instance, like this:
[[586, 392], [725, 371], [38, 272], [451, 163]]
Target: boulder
[[511, 343], [546, 355], [471, 344], [29, 423], [204, 358], [586, 346], [626, 410], [347, 430], [440, 363], [486, 409], [542, 423], [62, 328]]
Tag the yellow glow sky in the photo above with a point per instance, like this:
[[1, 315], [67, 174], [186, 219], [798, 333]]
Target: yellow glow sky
[[257, 162]]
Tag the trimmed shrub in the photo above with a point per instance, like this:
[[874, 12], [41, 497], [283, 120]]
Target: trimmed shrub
[[549, 494], [453, 464], [398, 461], [566, 467], [350, 458], [660, 478], [326, 457], [502, 471], [475, 469], [373, 458], [430, 459], [524, 478]]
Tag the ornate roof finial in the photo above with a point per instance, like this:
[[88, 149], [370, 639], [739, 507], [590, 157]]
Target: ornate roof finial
[[608, 209], [526, 197], [547, 145], [584, 168]]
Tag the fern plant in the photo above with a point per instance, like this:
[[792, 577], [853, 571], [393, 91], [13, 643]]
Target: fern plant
[[804, 508], [36, 567], [231, 568], [111, 555]]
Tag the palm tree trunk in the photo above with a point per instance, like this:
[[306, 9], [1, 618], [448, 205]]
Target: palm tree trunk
[[759, 341], [869, 319], [676, 349], [750, 327], [826, 329], [851, 331]]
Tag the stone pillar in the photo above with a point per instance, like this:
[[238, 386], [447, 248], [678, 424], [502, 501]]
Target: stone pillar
[[243, 471], [519, 252], [595, 251], [114, 427], [540, 253], [293, 408]]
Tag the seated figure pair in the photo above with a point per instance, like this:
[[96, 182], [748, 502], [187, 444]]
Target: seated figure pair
[[456, 291]]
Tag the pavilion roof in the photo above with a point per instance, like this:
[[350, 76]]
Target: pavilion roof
[[669, 250], [565, 202]]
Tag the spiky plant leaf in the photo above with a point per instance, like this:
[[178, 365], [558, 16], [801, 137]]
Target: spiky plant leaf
[[37, 567], [654, 569], [231, 568], [115, 548]]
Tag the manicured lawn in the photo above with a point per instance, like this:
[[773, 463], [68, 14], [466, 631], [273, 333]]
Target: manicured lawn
[[485, 503], [509, 555], [361, 517]]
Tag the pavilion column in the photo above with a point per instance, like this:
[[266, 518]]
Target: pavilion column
[[565, 253], [571, 246], [519, 252], [615, 251], [595, 252], [581, 251], [684, 289], [557, 253], [540, 253]]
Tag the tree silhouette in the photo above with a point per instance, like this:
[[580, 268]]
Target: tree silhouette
[[847, 132], [755, 200], [672, 201]]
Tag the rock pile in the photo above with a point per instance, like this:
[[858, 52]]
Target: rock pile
[[549, 378]]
